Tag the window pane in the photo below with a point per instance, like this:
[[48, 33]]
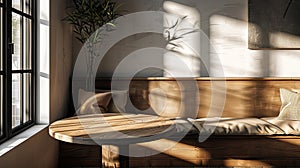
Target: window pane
[[27, 98], [16, 101], [16, 4], [44, 10], [44, 100], [27, 44], [27, 6], [16, 39], [44, 48]]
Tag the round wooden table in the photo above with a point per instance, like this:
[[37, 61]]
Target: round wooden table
[[119, 129]]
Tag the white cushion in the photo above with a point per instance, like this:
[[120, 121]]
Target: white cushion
[[117, 103], [91, 103], [83, 96], [119, 100], [296, 90], [235, 126], [290, 108], [288, 126]]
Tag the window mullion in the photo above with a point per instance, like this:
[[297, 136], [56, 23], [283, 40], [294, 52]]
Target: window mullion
[[22, 14], [22, 98], [4, 71], [8, 111], [22, 67], [34, 74]]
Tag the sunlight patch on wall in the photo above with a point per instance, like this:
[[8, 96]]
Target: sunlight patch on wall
[[182, 30], [278, 39], [229, 38], [284, 63]]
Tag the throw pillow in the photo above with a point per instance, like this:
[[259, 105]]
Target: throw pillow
[[91, 103], [296, 90], [290, 108], [118, 102]]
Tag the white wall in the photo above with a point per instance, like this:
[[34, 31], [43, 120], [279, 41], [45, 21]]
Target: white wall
[[225, 23]]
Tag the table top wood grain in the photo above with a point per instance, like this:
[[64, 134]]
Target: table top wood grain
[[111, 128]]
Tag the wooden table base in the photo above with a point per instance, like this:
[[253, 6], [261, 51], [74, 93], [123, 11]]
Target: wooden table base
[[121, 160]]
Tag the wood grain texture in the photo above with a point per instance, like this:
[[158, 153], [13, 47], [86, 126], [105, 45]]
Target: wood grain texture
[[106, 129], [245, 97], [111, 128]]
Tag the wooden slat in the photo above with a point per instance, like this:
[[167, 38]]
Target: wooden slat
[[109, 128]]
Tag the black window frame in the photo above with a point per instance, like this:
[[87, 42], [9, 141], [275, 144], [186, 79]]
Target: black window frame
[[7, 71]]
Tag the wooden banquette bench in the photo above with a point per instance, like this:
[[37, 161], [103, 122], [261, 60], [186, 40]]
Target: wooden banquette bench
[[244, 98]]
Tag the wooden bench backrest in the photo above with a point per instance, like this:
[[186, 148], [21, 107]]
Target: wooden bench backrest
[[245, 97]]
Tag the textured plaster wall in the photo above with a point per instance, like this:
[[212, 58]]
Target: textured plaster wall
[[225, 24]]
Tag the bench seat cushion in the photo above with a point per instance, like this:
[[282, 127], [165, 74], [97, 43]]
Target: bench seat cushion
[[235, 126], [290, 127]]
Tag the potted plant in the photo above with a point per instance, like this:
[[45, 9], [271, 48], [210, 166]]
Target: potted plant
[[86, 17]]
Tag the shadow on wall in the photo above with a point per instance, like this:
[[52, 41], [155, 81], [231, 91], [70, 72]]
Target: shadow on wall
[[225, 24], [127, 46], [188, 53]]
